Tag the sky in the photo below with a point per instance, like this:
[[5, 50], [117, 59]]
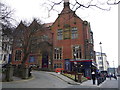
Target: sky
[[104, 24]]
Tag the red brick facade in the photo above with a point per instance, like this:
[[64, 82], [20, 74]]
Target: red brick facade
[[42, 36], [67, 20], [70, 39]]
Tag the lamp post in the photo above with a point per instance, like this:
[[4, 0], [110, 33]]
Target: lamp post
[[114, 67], [101, 55], [75, 66]]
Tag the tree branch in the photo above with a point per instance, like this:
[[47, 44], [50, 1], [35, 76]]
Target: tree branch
[[77, 5], [54, 4], [113, 3], [88, 6]]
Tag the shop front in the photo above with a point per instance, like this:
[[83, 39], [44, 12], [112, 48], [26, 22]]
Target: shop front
[[83, 66]]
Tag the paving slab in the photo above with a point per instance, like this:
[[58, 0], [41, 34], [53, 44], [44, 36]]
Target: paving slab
[[64, 78]]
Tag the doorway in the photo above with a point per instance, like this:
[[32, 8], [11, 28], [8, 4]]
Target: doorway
[[44, 60]]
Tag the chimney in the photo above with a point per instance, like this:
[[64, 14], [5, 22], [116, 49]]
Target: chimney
[[66, 3]]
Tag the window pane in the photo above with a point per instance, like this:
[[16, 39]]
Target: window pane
[[54, 66], [31, 59], [18, 55], [74, 33], [58, 53], [77, 52], [60, 34]]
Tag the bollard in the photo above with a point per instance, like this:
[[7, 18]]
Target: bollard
[[97, 81], [79, 78], [100, 80]]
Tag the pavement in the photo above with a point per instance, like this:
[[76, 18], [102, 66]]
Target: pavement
[[69, 81], [15, 79], [89, 83], [62, 77]]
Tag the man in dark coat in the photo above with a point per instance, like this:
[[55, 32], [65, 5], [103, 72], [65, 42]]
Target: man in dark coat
[[93, 77]]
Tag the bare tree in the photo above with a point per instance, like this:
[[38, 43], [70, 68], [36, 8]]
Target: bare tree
[[78, 4], [6, 29], [31, 39], [5, 15]]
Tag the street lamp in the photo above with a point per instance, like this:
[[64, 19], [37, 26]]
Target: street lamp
[[114, 67], [101, 55]]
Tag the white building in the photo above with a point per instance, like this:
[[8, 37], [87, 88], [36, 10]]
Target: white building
[[101, 60], [5, 48], [0, 46]]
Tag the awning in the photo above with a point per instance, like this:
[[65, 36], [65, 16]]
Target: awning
[[81, 60]]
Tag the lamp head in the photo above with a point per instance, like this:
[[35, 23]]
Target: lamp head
[[100, 43]]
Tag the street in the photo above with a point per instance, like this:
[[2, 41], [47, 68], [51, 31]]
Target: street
[[119, 83], [110, 83], [45, 80], [41, 80]]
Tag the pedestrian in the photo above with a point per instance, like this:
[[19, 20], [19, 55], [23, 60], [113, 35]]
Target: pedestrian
[[115, 76], [30, 69], [98, 78], [93, 77], [110, 75]]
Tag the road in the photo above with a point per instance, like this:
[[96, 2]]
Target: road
[[45, 80], [41, 80], [119, 83], [110, 83]]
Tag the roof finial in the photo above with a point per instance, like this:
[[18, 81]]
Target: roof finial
[[66, 1]]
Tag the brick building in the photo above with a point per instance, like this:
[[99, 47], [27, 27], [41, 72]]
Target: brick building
[[67, 43], [33, 44], [73, 42]]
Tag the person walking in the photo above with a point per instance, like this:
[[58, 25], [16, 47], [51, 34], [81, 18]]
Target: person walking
[[30, 69], [115, 76], [93, 77], [110, 75], [98, 78]]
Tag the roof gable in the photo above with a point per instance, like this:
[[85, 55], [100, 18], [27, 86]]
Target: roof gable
[[67, 10]]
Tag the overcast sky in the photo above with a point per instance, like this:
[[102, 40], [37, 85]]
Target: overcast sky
[[104, 24]]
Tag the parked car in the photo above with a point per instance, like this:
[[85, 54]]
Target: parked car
[[118, 75]]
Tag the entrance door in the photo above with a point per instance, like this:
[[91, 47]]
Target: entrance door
[[45, 60], [68, 65]]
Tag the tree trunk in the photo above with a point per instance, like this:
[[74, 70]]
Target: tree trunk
[[9, 73], [25, 72]]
